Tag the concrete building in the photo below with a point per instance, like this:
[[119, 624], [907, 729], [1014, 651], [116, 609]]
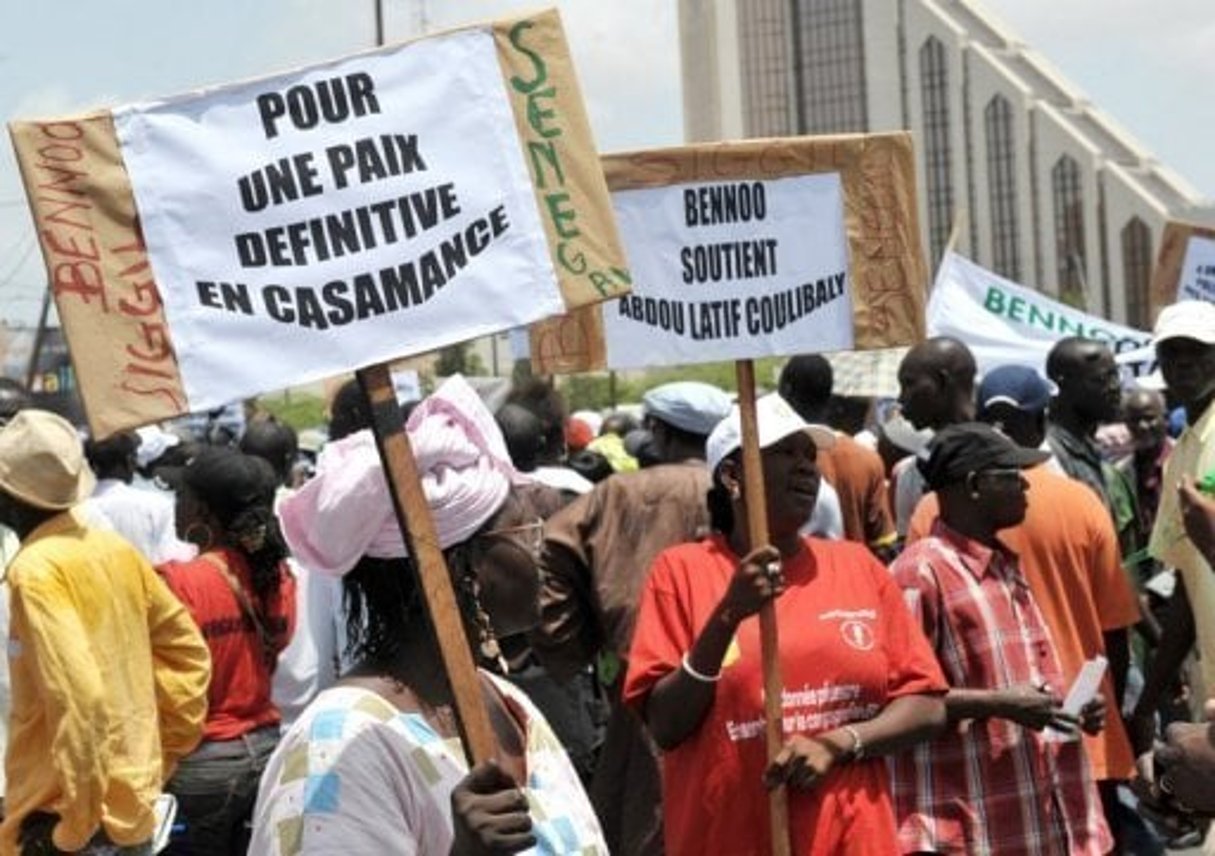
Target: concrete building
[[1047, 190]]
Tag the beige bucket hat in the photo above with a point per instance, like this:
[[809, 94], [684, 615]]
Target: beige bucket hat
[[42, 461]]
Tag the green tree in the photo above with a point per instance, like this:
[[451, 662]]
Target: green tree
[[458, 359]]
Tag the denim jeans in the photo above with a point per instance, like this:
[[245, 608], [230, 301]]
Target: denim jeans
[[35, 837], [216, 788]]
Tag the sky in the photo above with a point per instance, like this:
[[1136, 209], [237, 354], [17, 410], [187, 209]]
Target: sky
[[1134, 59]]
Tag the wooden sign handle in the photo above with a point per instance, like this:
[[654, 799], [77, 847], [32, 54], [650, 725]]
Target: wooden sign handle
[[418, 528], [757, 536]]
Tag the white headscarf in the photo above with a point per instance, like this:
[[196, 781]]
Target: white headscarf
[[344, 512]]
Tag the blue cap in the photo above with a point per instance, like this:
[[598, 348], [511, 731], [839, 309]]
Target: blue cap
[[1018, 386], [689, 405]]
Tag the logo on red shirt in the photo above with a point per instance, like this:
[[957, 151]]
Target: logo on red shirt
[[858, 634]]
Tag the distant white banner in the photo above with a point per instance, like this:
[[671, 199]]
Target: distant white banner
[[1003, 322], [731, 270], [1197, 280]]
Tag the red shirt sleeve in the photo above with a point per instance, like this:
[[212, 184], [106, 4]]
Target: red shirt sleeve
[[913, 665], [662, 635], [920, 593]]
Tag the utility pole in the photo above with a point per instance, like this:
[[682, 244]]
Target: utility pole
[[39, 335]]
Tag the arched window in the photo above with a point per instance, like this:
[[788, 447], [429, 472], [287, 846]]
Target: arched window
[[1137, 271], [1071, 263], [1002, 187], [935, 93], [765, 57], [829, 66]]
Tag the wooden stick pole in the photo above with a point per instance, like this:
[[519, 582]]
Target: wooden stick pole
[[413, 515], [955, 233], [757, 536]]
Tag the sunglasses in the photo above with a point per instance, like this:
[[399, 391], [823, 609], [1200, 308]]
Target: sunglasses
[[1002, 474], [530, 536]]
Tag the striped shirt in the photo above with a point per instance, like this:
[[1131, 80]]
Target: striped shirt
[[989, 786]]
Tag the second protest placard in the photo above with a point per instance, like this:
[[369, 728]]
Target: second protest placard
[[753, 249]]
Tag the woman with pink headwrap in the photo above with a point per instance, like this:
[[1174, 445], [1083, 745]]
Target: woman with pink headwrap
[[374, 764]]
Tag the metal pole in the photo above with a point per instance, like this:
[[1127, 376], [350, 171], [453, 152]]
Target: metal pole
[[39, 336]]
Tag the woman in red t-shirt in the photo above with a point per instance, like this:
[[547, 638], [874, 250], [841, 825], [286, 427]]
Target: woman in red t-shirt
[[242, 596], [860, 680]]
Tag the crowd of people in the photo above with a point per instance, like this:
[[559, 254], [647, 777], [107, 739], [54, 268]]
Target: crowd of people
[[213, 649]]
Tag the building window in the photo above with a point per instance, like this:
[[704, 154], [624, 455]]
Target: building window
[[829, 66], [764, 50], [1137, 271], [935, 96], [1070, 260], [1002, 187]]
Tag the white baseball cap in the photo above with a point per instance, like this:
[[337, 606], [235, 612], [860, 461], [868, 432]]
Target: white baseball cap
[[1186, 319], [776, 420]]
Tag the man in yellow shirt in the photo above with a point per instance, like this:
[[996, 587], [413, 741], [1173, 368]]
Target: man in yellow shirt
[[109, 673]]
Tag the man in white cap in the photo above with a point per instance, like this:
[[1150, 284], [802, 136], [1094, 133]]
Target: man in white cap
[[1185, 348], [109, 673], [598, 551]]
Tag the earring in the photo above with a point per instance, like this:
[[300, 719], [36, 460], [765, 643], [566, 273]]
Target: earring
[[205, 541], [487, 640]]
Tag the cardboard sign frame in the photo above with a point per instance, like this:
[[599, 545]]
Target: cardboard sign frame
[[887, 269]]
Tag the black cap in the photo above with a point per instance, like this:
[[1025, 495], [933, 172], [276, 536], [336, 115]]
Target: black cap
[[971, 447]]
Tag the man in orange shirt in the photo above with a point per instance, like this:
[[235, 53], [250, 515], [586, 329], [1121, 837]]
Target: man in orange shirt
[[1070, 555], [854, 471]]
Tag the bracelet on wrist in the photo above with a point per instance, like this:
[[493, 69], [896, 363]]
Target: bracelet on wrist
[[695, 675], [858, 745]]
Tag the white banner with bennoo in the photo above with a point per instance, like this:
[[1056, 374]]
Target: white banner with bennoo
[[1003, 322], [344, 215], [729, 271]]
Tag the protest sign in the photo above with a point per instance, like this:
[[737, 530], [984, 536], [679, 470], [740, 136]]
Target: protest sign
[[1002, 322], [265, 234], [750, 249], [1185, 265], [758, 248], [254, 236]]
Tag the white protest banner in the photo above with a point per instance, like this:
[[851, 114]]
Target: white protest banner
[[1003, 322], [1185, 264], [731, 270], [758, 248], [301, 225]]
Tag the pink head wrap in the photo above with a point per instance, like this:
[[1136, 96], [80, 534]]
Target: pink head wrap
[[344, 512]]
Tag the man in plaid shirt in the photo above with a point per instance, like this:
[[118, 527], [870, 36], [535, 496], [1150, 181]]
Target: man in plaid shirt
[[1007, 777]]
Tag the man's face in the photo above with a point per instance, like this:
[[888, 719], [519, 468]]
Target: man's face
[[1001, 492], [1188, 367], [922, 396], [1144, 416], [1096, 387]]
